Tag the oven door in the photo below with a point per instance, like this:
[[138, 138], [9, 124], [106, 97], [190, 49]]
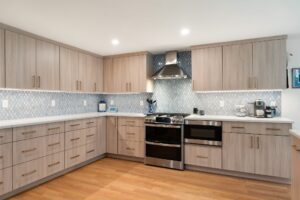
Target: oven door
[[164, 133], [164, 151]]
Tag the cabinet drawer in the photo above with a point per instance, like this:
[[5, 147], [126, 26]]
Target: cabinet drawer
[[55, 128], [5, 155], [133, 133], [91, 151], [75, 138], [91, 135], [6, 135], [276, 129], [54, 143], [74, 156], [131, 148], [130, 121], [74, 125], [28, 172], [28, 132], [5, 180], [28, 150], [204, 156], [54, 163], [88, 123]]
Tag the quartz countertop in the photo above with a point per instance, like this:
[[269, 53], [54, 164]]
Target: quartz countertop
[[60, 118], [295, 133], [238, 119]]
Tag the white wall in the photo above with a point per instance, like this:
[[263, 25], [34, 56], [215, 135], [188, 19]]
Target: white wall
[[291, 97]]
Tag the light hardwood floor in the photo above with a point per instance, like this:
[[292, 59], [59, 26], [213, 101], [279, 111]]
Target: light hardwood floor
[[124, 180]]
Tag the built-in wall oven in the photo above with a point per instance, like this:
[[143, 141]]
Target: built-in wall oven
[[203, 132]]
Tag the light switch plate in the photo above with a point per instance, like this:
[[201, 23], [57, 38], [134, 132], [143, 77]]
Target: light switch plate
[[273, 103], [222, 103], [112, 102], [4, 103], [141, 102], [84, 103], [52, 103]]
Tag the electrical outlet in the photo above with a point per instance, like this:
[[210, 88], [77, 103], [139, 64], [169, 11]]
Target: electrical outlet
[[5, 103], [52, 103], [112, 102], [141, 102], [273, 103], [222, 103], [84, 102]]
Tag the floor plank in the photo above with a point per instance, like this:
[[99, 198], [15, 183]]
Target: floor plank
[[111, 179]]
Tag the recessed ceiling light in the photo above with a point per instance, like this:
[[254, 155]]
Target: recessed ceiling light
[[185, 31], [115, 42]]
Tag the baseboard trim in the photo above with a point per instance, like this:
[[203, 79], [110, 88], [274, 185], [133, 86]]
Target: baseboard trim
[[239, 174], [122, 157]]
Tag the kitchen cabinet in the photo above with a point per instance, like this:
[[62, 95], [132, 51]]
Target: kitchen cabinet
[[207, 68], [269, 64], [47, 66], [295, 168], [6, 180], [99, 75], [20, 56], [112, 135], [2, 64], [101, 135], [237, 67]]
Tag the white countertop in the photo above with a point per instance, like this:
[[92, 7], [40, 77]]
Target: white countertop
[[238, 119], [60, 118], [295, 133]]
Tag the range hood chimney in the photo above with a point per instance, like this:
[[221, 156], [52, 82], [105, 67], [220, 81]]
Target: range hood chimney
[[170, 70]]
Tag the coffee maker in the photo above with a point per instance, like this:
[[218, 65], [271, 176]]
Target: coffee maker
[[259, 108]]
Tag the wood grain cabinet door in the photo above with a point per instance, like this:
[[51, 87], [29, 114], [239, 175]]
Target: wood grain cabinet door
[[112, 135], [87, 72], [2, 64], [237, 67], [272, 156], [20, 54], [107, 74], [238, 152], [101, 135], [47, 65], [269, 64], [99, 75], [207, 69], [69, 70], [295, 169]]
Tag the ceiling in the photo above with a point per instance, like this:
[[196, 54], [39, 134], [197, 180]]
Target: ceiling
[[151, 25]]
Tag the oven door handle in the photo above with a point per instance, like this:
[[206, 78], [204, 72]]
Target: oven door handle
[[162, 125], [163, 144]]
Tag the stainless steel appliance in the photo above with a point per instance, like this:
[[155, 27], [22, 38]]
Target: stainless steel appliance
[[203, 132], [259, 108], [164, 140]]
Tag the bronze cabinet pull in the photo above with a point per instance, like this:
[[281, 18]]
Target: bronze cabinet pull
[[95, 85], [257, 142], [251, 142], [1, 183], [28, 150], [53, 164], [33, 81], [28, 132], [130, 149], [129, 133], [29, 173], [1, 157], [75, 156], [53, 144], [38, 82], [273, 129], [90, 122], [237, 127], [51, 129], [74, 125], [73, 139], [198, 156], [1, 136], [90, 135], [91, 151]]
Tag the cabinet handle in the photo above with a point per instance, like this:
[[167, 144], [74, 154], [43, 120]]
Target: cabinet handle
[[38, 82], [130, 87], [75, 156], [80, 84], [251, 142], [74, 139], [91, 151], [28, 132], [1, 136], [1, 157], [74, 125], [126, 87], [77, 88], [116, 125], [95, 85], [90, 135], [296, 147], [28, 150], [273, 129], [55, 128], [129, 133], [53, 144], [29, 173], [193, 85], [257, 142], [238, 127], [90, 122], [1, 183], [130, 149], [53, 164], [33, 81], [202, 157], [249, 83]]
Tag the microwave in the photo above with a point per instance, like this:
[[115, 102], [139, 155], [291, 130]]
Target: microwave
[[203, 132]]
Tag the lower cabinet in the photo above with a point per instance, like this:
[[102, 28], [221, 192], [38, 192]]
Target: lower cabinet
[[5, 180], [204, 156], [112, 135], [75, 156], [131, 148], [295, 168], [54, 163]]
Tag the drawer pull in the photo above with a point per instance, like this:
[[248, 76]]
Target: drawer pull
[[91, 151], [1, 183], [1, 136], [74, 125], [202, 157], [237, 127], [73, 157], [129, 133], [273, 129], [130, 149], [29, 173], [53, 144], [55, 128], [90, 122], [90, 135], [74, 139], [53, 164], [28, 132], [296, 147], [130, 122], [1, 157], [28, 150]]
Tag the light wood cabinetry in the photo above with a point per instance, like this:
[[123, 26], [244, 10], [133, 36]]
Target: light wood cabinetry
[[5, 155], [207, 68], [269, 64], [101, 135], [75, 138], [295, 149], [20, 61], [6, 180], [75, 156], [237, 67], [54, 163], [54, 143], [2, 63], [112, 135], [6, 135]]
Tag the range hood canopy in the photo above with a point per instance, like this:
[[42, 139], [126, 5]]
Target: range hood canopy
[[171, 69]]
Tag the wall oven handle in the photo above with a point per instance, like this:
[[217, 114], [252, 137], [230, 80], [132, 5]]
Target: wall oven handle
[[162, 125], [163, 144]]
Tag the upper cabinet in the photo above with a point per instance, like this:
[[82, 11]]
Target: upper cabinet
[[269, 64], [20, 59], [128, 73], [207, 68], [2, 64]]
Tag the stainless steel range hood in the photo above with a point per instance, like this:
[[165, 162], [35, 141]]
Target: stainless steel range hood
[[170, 70]]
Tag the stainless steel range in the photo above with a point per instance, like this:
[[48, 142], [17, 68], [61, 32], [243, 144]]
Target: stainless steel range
[[164, 140]]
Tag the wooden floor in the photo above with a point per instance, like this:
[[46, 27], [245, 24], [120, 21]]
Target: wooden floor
[[111, 179]]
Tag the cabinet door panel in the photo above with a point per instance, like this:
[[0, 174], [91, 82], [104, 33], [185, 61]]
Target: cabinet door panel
[[108, 74], [47, 65], [2, 64], [272, 156], [112, 135], [20, 61], [87, 72], [237, 67], [269, 64], [68, 70], [295, 169], [99, 75], [207, 69], [238, 152], [101, 135]]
